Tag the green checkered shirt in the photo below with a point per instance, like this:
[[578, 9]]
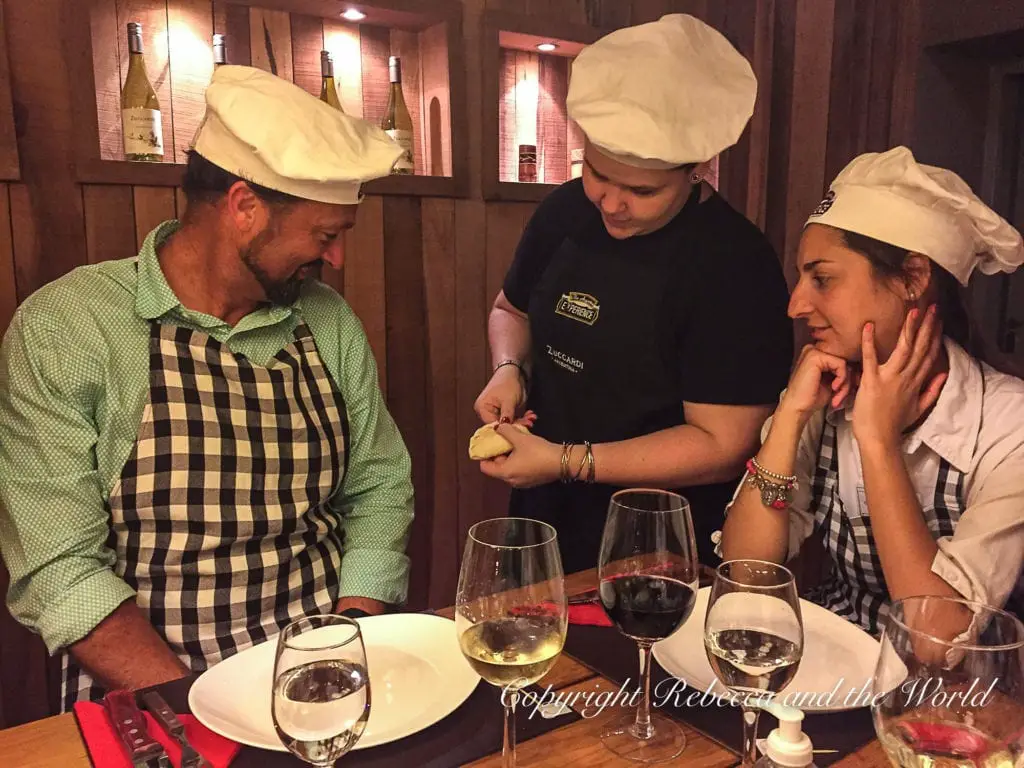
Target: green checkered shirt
[[74, 382]]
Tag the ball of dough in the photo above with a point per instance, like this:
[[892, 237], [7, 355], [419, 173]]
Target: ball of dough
[[486, 442]]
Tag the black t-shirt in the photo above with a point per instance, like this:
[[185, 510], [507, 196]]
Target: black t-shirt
[[624, 331]]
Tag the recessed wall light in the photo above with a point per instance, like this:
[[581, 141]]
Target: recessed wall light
[[352, 14], [546, 47]]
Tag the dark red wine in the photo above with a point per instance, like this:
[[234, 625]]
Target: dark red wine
[[647, 607]]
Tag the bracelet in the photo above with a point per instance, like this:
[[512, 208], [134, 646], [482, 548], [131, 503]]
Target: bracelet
[[776, 490], [564, 472], [590, 464], [517, 364], [583, 463]]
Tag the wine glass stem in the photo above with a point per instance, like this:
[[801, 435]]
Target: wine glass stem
[[642, 728], [508, 747], [750, 717]]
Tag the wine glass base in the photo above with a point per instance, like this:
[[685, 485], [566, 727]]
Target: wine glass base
[[666, 743]]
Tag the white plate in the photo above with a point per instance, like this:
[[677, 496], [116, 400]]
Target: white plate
[[835, 673], [417, 676]]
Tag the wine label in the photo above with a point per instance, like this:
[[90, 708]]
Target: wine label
[[405, 163], [143, 131]]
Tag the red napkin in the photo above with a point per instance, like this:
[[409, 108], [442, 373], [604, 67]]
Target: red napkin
[[106, 749], [589, 613]]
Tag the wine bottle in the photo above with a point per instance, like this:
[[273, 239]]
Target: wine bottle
[[140, 109], [220, 56], [397, 122], [328, 88]]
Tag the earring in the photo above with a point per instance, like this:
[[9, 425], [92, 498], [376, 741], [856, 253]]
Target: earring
[[695, 178]]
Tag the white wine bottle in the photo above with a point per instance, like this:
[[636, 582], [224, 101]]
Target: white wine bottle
[[328, 88], [397, 122], [140, 108], [220, 56]]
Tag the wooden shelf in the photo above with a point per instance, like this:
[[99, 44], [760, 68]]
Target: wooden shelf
[[10, 167], [280, 36], [524, 94]]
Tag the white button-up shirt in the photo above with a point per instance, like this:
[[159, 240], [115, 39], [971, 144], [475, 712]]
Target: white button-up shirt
[[976, 426]]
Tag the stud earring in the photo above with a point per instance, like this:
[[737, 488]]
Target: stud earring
[[695, 178]]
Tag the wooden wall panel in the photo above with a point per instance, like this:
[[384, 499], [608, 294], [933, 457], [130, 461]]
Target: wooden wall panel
[[190, 30], [407, 361], [342, 40], [23, 669], [472, 361], [107, 74], [439, 262], [152, 205], [375, 48], [799, 130], [505, 223], [307, 42], [9, 168], [180, 202], [46, 210], [552, 121], [109, 222], [270, 41], [152, 14], [507, 165], [437, 152], [365, 279], [237, 31], [8, 285]]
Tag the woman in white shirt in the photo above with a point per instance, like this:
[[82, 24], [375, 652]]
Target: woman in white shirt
[[886, 411]]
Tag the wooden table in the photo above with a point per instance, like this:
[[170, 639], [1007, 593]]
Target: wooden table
[[55, 741]]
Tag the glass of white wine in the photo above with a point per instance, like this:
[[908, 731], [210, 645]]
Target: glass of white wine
[[511, 613], [949, 685], [321, 697], [753, 636]]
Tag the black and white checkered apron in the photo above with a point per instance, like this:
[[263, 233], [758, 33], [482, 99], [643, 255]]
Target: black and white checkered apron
[[220, 518], [855, 587]]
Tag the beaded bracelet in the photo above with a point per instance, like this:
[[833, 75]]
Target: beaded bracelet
[[776, 490]]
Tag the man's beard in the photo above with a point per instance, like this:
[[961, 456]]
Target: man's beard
[[279, 292]]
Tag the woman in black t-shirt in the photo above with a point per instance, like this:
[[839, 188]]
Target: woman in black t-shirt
[[643, 320]]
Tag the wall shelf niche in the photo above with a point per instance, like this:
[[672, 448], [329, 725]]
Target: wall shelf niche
[[284, 37], [526, 81]]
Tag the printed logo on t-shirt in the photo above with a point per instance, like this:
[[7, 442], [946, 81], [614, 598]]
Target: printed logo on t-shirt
[[825, 204], [578, 306], [563, 360]]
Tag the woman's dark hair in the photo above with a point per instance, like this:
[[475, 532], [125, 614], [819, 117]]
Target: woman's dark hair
[[205, 182], [889, 261]]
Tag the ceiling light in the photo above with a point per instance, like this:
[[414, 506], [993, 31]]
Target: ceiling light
[[352, 14], [546, 47]]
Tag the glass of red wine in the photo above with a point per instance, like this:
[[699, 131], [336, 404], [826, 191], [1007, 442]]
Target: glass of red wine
[[648, 573]]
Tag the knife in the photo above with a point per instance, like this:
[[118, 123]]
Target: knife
[[169, 721], [143, 750]]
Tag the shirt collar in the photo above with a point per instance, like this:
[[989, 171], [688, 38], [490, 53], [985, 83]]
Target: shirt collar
[[154, 297], [951, 429]]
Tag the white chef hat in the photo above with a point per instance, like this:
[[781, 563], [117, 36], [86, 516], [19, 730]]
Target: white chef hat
[[271, 132], [927, 210], [662, 94]]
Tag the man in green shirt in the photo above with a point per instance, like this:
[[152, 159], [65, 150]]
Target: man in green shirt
[[194, 449]]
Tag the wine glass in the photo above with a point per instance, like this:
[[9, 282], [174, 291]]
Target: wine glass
[[753, 636], [321, 698], [648, 574], [949, 686], [511, 613]]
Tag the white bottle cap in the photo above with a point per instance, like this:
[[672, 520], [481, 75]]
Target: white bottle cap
[[788, 745]]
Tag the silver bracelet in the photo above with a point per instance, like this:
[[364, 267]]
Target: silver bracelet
[[517, 364]]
